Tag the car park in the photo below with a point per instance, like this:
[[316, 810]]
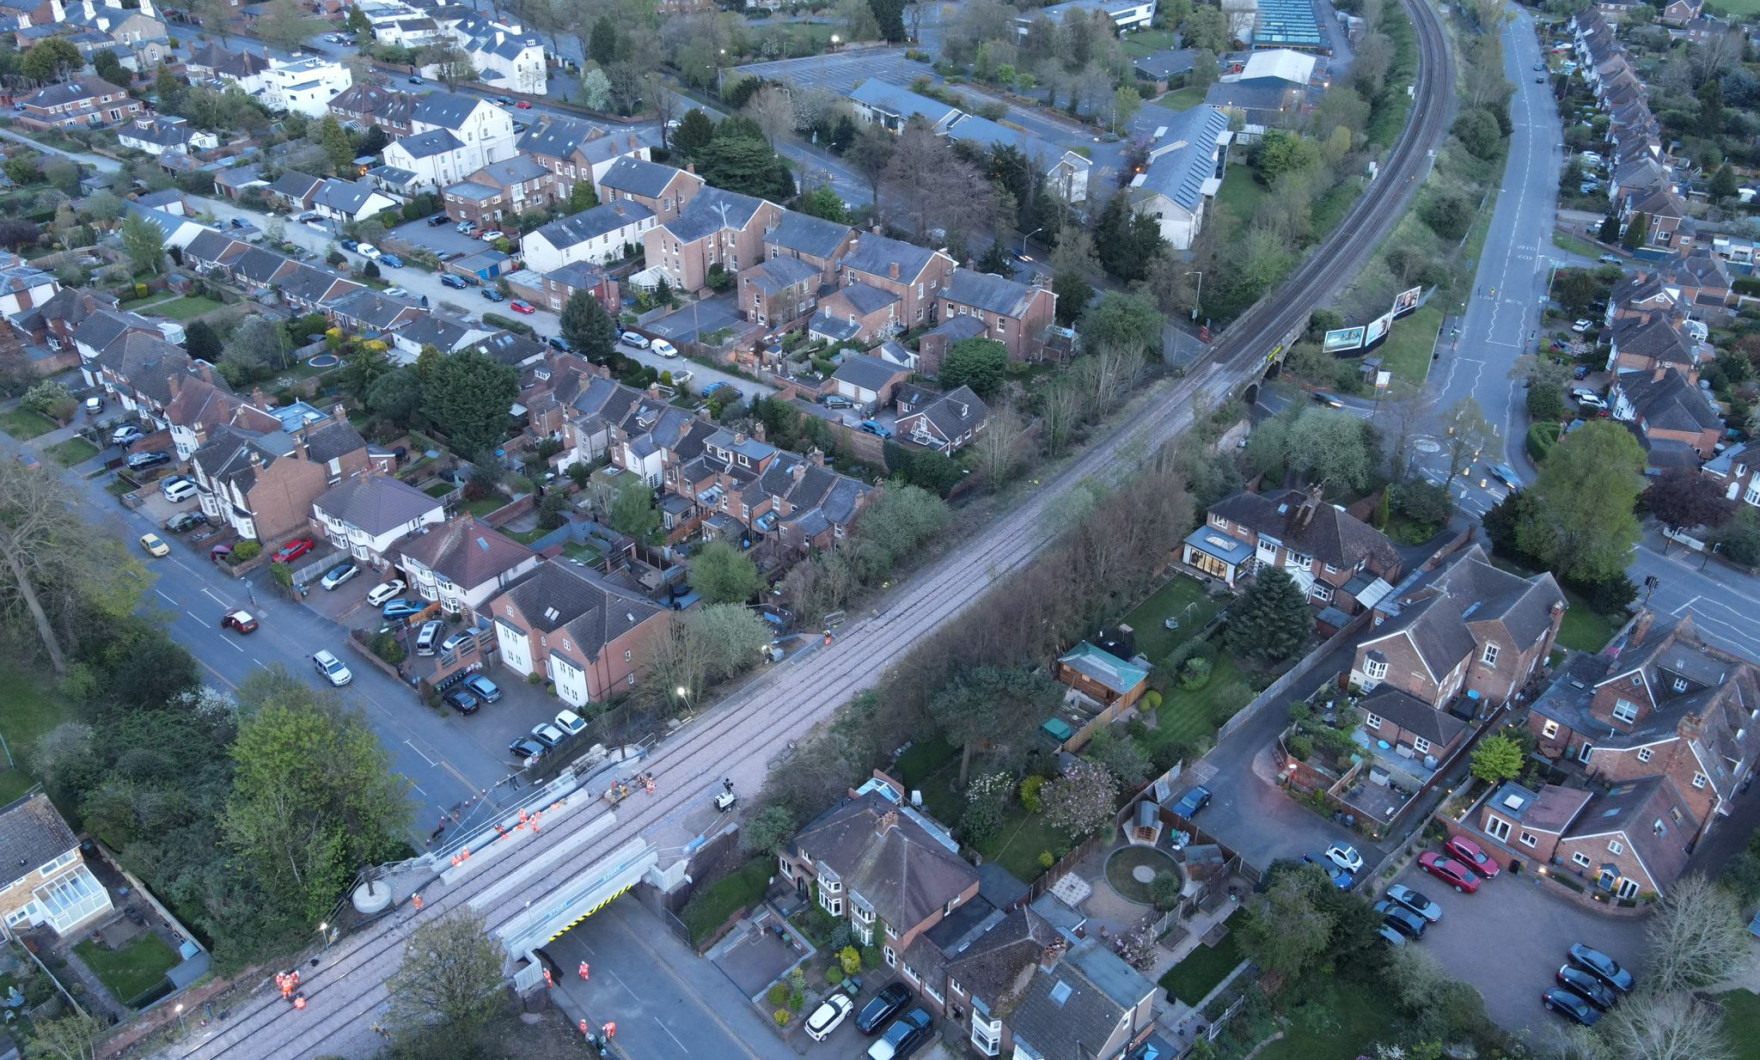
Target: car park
[[907, 1034], [483, 688], [293, 550], [1194, 800], [391, 261], [127, 434], [570, 722], [183, 522], [1449, 871], [340, 573], [886, 1004], [1473, 856], [1592, 989], [1401, 919], [1602, 967], [1345, 857], [663, 348], [428, 636], [332, 669], [828, 1016], [1339, 877], [1571, 1005], [243, 621], [1415, 901], [519, 306], [879, 430], [460, 699], [632, 338], [143, 461], [493, 295], [525, 748], [155, 546], [491, 235], [454, 282], [548, 734]]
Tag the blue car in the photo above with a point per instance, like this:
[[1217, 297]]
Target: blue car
[[877, 429], [391, 261], [1340, 878], [403, 608], [712, 389], [347, 244], [1195, 800], [483, 688]]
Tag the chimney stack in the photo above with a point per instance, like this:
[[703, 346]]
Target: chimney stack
[[1661, 370], [1641, 627], [816, 456], [759, 434], [1052, 952], [886, 822], [892, 270]]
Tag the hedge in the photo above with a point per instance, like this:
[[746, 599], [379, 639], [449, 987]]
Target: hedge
[[518, 327], [1542, 438]]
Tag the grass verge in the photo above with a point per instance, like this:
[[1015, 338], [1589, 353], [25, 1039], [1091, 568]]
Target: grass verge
[[72, 451], [23, 424], [1409, 344], [711, 907]]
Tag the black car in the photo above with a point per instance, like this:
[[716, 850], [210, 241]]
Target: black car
[[525, 747], [183, 522], [907, 1034], [1602, 967], [1401, 919], [415, 80], [884, 1006], [493, 295], [236, 223], [1587, 985], [142, 461], [437, 220], [461, 700], [1571, 1005], [453, 282], [557, 342]]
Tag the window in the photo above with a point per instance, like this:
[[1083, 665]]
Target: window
[[1529, 839], [628, 655], [835, 907], [1371, 721], [1615, 847], [1376, 669], [1627, 888], [892, 957], [1625, 712], [1497, 828], [1680, 684], [1489, 658], [1549, 730], [1584, 752], [1580, 859], [1420, 745], [1700, 780], [1321, 591], [1658, 827]]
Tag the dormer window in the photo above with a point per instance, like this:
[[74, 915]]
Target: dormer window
[[1625, 712], [1680, 684]]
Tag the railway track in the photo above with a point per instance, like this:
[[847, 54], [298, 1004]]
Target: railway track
[[346, 991]]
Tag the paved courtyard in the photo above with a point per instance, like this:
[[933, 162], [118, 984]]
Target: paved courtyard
[[444, 240]]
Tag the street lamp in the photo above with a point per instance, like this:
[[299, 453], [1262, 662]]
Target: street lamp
[[324, 932], [835, 39], [1028, 236], [180, 1020], [1197, 298]]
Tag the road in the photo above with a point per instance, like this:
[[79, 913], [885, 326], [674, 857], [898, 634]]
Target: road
[[752, 728]]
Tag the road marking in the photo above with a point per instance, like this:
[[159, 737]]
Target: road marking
[[462, 779], [669, 1034], [192, 614], [424, 754], [212, 597], [167, 599], [228, 642], [218, 674]]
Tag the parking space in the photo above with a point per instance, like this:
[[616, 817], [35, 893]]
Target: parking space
[[1510, 938], [700, 318], [347, 602], [444, 240]]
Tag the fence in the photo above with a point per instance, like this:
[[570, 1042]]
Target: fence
[[1279, 688]]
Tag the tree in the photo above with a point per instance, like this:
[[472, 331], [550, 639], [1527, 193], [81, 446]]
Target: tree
[[51, 61], [596, 90], [1498, 758], [889, 16], [709, 643], [586, 325], [992, 710], [633, 513], [1082, 800], [1448, 213], [1122, 756], [582, 197], [1465, 433], [396, 396], [1271, 620], [107, 66], [1637, 232], [450, 976], [1609, 232], [1128, 321], [1724, 183], [870, 154], [283, 25], [746, 166], [1286, 932], [314, 797], [338, 150], [1740, 538], [253, 349], [768, 829], [468, 395], [201, 341], [724, 575], [986, 805], [1683, 498], [52, 399], [772, 109], [1696, 937], [1207, 28], [1330, 446], [1580, 519], [981, 364], [144, 243], [1659, 1026], [823, 201], [74, 1036], [602, 48], [1073, 292], [695, 131]]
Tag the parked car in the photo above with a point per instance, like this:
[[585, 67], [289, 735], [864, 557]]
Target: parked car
[[179, 490], [437, 220], [368, 251], [682, 376], [483, 688], [94, 404], [1592, 401], [560, 344], [1401, 919], [332, 669], [907, 1034], [403, 608], [1582, 325], [125, 435], [348, 244], [379, 594], [1473, 856], [1415, 901], [1194, 800], [631, 338], [1602, 967], [837, 401], [428, 636], [1390, 936], [391, 261], [491, 235], [459, 698], [414, 80], [548, 734], [525, 748], [454, 642], [293, 550], [524, 104], [143, 461], [394, 292], [1610, 259], [155, 546], [493, 295], [885, 1005], [1585, 983], [1571, 1005], [1340, 878], [1449, 871], [879, 430], [454, 282], [340, 573], [1345, 857], [521, 307], [663, 348], [465, 226], [1581, 371], [243, 621], [570, 722], [183, 522], [505, 101], [828, 1016]]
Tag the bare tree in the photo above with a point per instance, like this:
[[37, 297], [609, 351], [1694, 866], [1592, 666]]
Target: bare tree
[[661, 102], [1696, 936], [773, 111], [1656, 1026], [1060, 411], [38, 541], [996, 451], [1467, 434], [72, 1037], [870, 156], [450, 63]]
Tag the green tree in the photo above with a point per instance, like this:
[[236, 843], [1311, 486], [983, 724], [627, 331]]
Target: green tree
[[144, 243], [724, 575], [1609, 229], [824, 202], [1739, 539], [1272, 620], [1497, 759], [995, 710], [1723, 183], [314, 797], [582, 197], [1448, 213], [1287, 931], [633, 513], [1073, 292], [107, 66], [74, 1036], [889, 15], [468, 395], [1581, 520], [1207, 28], [695, 132], [337, 147], [768, 829], [283, 25], [1127, 321], [362, 368], [587, 327], [1637, 232], [51, 61], [202, 341], [1479, 132], [602, 45], [981, 364], [747, 166], [449, 983], [396, 396]]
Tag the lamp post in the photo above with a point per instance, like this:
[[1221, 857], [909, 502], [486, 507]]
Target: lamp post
[[1028, 236], [1198, 297], [180, 1020], [324, 933]]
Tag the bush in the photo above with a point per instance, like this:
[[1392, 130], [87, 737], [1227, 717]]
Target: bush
[[782, 1017], [245, 551], [778, 996], [1046, 860], [385, 645], [1031, 800], [1152, 700], [1195, 674], [518, 327], [1301, 746], [834, 975]]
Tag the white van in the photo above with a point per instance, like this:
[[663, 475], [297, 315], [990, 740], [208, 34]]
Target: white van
[[430, 632]]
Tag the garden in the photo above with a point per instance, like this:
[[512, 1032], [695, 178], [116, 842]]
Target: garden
[[1192, 979], [131, 972], [714, 905]]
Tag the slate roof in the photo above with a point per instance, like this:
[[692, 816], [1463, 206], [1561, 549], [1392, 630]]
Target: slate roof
[[712, 210], [1658, 339], [997, 963], [515, 170], [989, 292], [1434, 627], [240, 176], [377, 503], [470, 189], [1487, 593], [442, 333], [956, 328], [72, 91], [955, 413], [638, 177], [1701, 270], [868, 373], [866, 298], [1075, 1007], [295, 185], [558, 137], [1413, 715], [875, 255], [1671, 403], [589, 610], [588, 225], [805, 234], [1330, 535], [779, 274], [329, 439], [468, 552], [382, 104], [1633, 808], [906, 874], [32, 833], [343, 196], [511, 349], [1166, 64], [578, 276], [430, 143], [1189, 158], [890, 99], [447, 110], [1551, 809]]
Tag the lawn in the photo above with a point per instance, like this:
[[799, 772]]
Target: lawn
[[1741, 1015], [484, 505], [1182, 598], [1409, 344], [1187, 717], [1583, 628], [73, 451], [741, 889], [1017, 844], [1183, 99], [1576, 246], [1240, 194], [1339, 1022], [27, 711], [1122, 864], [439, 489], [587, 554], [23, 424], [1192, 979], [1147, 42], [185, 308], [526, 537], [132, 971]]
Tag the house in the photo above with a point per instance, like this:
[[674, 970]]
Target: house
[[485, 129], [1643, 344], [23, 286], [1185, 167], [462, 563], [1087, 1004], [82, 102], [233, 181], [1265, 103], [1465, 628], [1335, 557], [503, 56], [1733, 470], [572, 151], [436, 158], [1065, 171], [780, 290], [156, 134], [296, 190], [511, 349], [1664, 214], [1013, 313], [663, 190], [1675, 421], [256, 482], [1412, 727], [1701, 281], [1126, 15], [913, 276], [1658, 701], [741, 487], [1640, 296], [589, 637], [1631, 839], [363, 107], [54, 887], [891, 107], [858, 313], [867, 381], [502, 189], [1681, 12], [945, 423], [368, 312], [600, 235], [1165, 69], [27, 13], [1103, 677], [811, 240], [559, 285], [347, 200], [932, 345], [201, 405], [366, 517], [718, 231], [304, 86], [211, 62], [443, 333]]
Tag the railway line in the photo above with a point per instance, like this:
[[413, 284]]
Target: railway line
[[346, 991]]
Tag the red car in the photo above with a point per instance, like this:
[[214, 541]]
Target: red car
[[239, 620], [1474, 856], [1449, 871], [524, 104], [294, 549], [520, 307]]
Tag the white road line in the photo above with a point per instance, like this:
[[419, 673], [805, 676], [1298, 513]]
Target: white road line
[[192, 614], [424, 754], [167, 599], [212, 597], [228, 642], [669, 1034]]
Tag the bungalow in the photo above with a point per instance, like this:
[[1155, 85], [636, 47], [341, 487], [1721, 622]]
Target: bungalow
[[296, 190], [590, 637], [365, 517], [891, 107], [233, 181], [443, 333], [462, 563], [344, 200], [156, 134]]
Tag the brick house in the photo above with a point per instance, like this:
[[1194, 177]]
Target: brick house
[[562, 284], [1646, 345], [499, 190], [1674, 419], [590, 637], [296, 190], [1012, 313], [1335, 557], [932, 345], [1734, 471], [812, 240], [1701, 281], [53, 886], [372, 107], [573, 151], [1411, 725], [716, 229], [916, 277], [1664, 215], [780, 290], [1465, 628], [945, 423], [83, 101], [200, 405], [1659, 700], [857, 312], [1681, 12], [462, 563], [662, 189], [256, 483], [742, 487], [365, 517], [1630, 840]]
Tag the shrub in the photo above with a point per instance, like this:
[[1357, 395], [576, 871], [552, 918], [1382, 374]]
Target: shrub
[[778, 996], [1195, 674], [834, 975], [1046, 860], [1301, 746], [1152, 700], [850, 960], [246, 550], [385, 645], [1031, 800], [782, 1017]]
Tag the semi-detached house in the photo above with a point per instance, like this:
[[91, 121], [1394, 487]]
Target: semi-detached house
[[662, 189], [1336, 558], [460, 564], [1013, 313], [501, 189], [599, 235], [263, 483], [365, 517], [717, 229], [53, 885], [571, 151], [590, 637]]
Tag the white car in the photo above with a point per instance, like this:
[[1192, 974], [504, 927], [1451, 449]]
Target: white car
[[377, 596], [340, 573], [427, 635], [1345, 857], [570, 722], [1582, 325], [332, 669], [127, 434], [663, 348], [367, 250], [182, 490], [1591, 401], [631, 338], [826, 1017], [396, 292], [682, 376]]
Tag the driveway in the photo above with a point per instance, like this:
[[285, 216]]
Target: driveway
[[699, 318], [1509, 939], [445, 240]]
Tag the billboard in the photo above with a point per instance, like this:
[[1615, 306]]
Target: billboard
[[1407, 301], [1377, 329], [1343, 340]]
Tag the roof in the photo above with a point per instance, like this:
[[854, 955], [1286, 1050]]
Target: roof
[[1651, 814], [1434, 628], [430, 143], [779, 274], [989, 292], [590, 610], [1168, 63], [295, 185], [888, 857], [591, 224], [32, 833], [890, 99], [996, 964], [712, 210], [377, 504], [1551, 809], [868, 373], [956, 328], [71, 91], [1413, 715], [1105, 668], [1183, 156], [638, 177], [513, 170], [467, 551], [558, 137], [343, 196], [1485, 592], [955, 413], [876, 254], [1671, 403], [578, 275], [1076, 1006], [1280, 64], [1325, 531], [446, 110], [806, 234], [472, 190], [442, 333]]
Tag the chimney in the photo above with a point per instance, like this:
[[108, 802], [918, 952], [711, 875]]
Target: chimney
[[690, 167], [798, 472], [260, 399], [759, 434], [739, 437], [816, 456], [1641, 627], [1691, 727], [892, 270], [1053, 950], [886, 822], [1661, 370], [338, 414]]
